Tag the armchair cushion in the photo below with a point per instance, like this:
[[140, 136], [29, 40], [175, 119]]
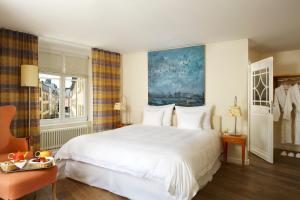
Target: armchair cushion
[[3, 157], [18, 144], [9, 143], [16, 185]]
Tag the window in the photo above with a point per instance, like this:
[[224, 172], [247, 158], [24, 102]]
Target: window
[[63, 83], [51, 94], [74, 97]]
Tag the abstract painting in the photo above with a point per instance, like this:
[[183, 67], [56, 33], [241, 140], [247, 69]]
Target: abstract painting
[[176, 76]]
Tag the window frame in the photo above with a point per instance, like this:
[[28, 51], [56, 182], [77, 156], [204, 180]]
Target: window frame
[[62, 119]]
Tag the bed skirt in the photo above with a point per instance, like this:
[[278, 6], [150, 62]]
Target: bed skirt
[[123, 184]]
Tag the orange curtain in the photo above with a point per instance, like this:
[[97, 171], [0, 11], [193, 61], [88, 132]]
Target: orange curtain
[[106, 89], [18, 48]]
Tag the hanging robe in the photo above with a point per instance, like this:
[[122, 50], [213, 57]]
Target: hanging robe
[[293, 97], [286, 124]]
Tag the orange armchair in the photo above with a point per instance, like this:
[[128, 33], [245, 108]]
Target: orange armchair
[[9, 143], [16, 185]]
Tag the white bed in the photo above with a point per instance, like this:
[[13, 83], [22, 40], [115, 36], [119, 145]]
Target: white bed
[[143, 162]]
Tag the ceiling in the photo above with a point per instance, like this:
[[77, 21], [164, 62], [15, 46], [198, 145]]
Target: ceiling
[[138, 25]]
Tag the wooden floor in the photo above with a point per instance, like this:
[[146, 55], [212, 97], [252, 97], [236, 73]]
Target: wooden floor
[[258, 181]]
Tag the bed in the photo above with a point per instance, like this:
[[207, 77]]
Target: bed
[[143, 162]]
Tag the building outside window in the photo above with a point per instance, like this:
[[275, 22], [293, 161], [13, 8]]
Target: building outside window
[[74, 97], [49, 96]]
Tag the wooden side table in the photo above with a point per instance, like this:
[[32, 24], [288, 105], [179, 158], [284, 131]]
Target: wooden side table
[[122, 125], [241, 139]]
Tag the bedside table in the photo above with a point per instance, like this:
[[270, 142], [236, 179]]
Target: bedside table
[[241, 139], [122, 125]]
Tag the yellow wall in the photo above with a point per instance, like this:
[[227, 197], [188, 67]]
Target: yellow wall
[[285, 62], [226, 76], [254, 56]]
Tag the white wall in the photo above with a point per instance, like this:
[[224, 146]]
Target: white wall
[[226, 76], [135, 83]]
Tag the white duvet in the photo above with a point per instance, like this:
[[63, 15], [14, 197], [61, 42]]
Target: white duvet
[[177, 157]]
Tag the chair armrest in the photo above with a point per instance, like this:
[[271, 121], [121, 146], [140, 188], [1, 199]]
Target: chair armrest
[[18, 144]]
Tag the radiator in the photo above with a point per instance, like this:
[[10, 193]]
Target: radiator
[[53, 139]]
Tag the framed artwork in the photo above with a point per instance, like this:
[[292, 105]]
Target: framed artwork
[[177, 76]]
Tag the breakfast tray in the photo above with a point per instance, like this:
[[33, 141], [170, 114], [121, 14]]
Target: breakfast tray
[[28, 167]]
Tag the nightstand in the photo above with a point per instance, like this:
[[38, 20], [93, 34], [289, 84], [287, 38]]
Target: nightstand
[[240, 139], [122, 125]]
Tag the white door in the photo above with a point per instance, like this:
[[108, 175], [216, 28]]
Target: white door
[[261, 102]]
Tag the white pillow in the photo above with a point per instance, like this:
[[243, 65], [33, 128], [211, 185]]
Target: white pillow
[[153, 117], [206, 110], [168, 111], [188, 119]]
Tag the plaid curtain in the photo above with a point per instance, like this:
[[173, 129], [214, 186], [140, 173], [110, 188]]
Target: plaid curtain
[[106, 89], [18, 48]]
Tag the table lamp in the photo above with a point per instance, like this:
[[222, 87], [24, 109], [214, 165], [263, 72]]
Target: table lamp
[[119, 106], [235, 111]]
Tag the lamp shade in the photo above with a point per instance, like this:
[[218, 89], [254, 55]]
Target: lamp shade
[[29, 75], [235, 111], [119, 106]]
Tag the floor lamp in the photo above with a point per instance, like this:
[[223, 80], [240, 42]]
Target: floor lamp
[[29, 78]]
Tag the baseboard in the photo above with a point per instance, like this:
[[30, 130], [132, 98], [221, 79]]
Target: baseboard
[[237, 161]]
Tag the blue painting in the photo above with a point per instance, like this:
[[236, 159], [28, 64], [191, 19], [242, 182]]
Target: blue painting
[[176, 76]]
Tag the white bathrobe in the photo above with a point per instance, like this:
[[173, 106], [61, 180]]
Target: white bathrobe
[[286, 124], [293, 97]]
